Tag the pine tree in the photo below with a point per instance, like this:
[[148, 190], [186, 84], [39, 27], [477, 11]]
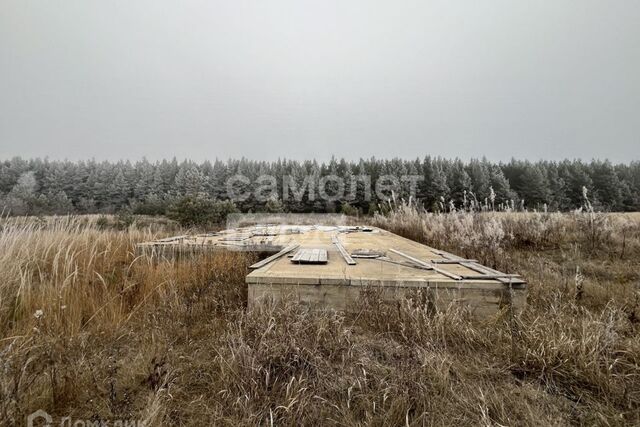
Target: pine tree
[[535, 192], [606, 184], [460, 183], [23, 197]]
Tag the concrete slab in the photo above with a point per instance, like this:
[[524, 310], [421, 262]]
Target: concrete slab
[[405, 267]]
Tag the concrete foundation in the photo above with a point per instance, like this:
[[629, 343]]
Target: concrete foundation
[[391, 265]]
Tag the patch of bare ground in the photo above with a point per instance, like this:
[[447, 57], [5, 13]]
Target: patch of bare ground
[[90, 331]]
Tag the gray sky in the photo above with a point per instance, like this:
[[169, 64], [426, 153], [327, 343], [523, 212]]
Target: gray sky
[[302, 79]]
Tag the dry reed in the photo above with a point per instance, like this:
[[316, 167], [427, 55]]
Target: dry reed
[[93, 332]]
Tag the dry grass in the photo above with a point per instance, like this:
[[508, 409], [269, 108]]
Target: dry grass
[[171, 342]]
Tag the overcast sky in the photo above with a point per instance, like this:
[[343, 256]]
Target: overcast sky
[[303, 79]]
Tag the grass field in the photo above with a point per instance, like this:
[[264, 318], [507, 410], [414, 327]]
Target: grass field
[[89, 331]]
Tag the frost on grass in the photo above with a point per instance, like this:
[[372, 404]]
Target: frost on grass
[[91, 331]]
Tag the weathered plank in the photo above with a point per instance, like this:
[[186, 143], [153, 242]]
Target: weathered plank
[[237, 238], [310, 256], [451, 261], [343, 251], [367, 253], [426, 265], [171, 239], [489, 276], [274, 256], [297, 256], [486, 271]]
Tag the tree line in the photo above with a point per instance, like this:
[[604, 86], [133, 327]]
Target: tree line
[[41, 186]]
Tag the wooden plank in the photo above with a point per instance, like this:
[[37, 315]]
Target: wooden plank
[[296, 257], [426, 265], [448, 255], [172, 239], [489, 276], [451, 261], [274, 256], [486, 271], [481, 269], [310, 256], [345, 255], [367, 253]]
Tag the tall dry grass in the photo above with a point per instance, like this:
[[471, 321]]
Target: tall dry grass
[[578, 337], [72, 281], [71, 271], [93, 332]]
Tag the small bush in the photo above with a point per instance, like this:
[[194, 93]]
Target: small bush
[[125, 219], [102, 222], [348, 210]]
